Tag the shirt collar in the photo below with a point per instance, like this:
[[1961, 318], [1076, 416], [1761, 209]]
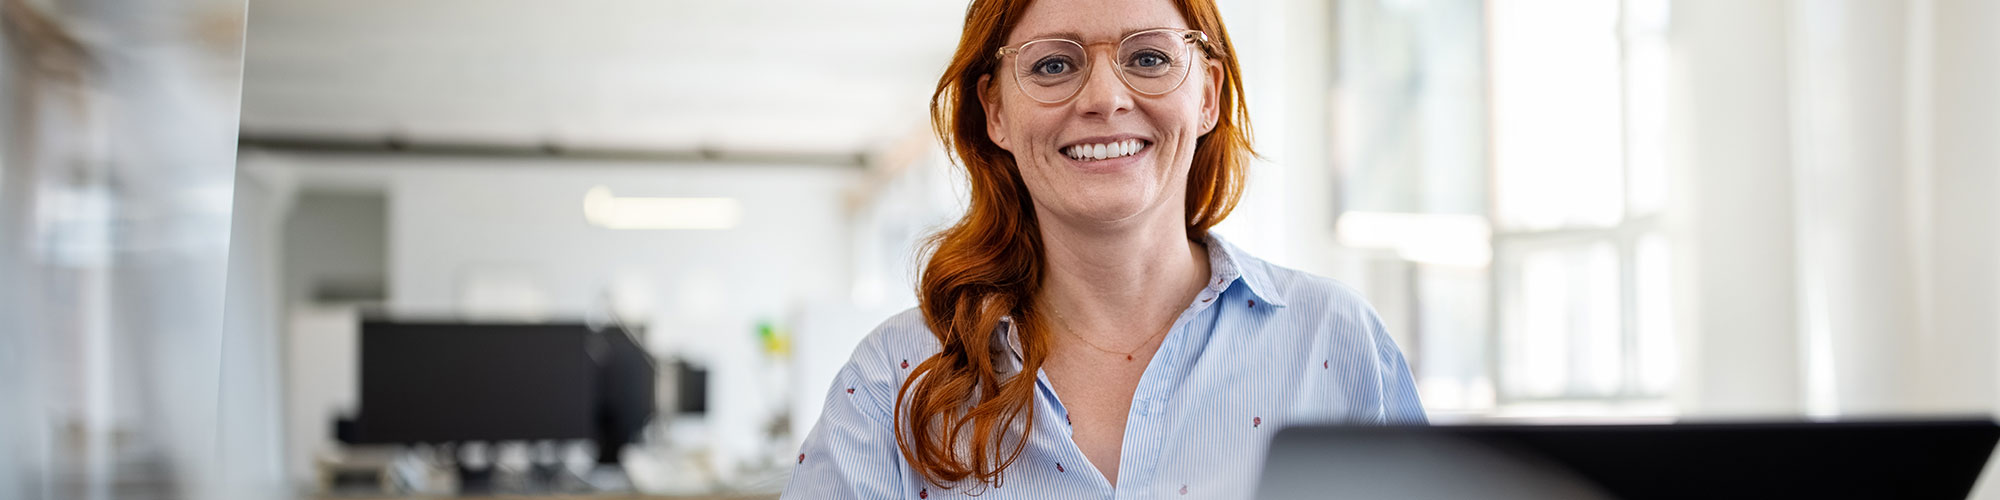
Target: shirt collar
[[1226, 266], [1226, 263]]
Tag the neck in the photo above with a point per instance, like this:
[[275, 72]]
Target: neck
[[1104, 277]]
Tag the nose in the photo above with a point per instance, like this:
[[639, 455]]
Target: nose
[[1103, 94]]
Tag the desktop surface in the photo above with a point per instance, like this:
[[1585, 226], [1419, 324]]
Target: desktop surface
[[556, 497]]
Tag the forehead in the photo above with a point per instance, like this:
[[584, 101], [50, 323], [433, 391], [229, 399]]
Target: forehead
[[1093, 20]]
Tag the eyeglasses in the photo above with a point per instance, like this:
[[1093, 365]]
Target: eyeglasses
[[1151, 62]]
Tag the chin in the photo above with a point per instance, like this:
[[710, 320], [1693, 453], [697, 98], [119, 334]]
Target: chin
[[1114, 207]]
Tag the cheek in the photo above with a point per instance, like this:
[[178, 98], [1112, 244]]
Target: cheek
[[1033, 130], [1182, 121], [1185, 111]]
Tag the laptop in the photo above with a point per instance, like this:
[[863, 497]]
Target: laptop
[[1914, 460]]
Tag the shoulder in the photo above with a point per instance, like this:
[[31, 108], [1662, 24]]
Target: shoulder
[[903, 336], [885, 357], [1321, 310], [1337, 317], [852, 451], [1310, 294]]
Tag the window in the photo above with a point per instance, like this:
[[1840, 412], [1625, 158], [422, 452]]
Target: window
[[1558, 117]]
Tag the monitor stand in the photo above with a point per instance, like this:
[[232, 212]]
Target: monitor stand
[[475, 466], [608, 474], [475, 481]]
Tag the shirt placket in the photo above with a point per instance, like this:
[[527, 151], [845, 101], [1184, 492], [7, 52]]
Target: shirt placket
[[1139, 457], [1145, 426], [1058, 438]]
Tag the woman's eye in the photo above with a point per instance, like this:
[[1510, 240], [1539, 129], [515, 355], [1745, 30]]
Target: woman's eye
[[1052, 66], [1148, 59]]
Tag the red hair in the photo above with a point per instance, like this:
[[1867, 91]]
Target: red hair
[[955, 413]]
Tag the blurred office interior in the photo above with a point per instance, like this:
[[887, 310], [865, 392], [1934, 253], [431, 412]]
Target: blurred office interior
[[1564, 211]]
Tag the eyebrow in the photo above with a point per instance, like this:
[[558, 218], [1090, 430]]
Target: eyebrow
[[1074, 36]]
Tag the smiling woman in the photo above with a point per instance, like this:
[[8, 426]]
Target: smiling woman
[[1080, 333]]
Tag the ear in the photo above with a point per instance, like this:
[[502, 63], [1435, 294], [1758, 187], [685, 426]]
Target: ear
[[996, 125], [1211, 96]]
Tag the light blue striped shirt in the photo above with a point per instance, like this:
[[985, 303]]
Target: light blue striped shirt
[[1261, 347]]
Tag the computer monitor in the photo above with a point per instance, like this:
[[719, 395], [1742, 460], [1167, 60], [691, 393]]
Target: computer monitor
[[451, 382], [625, 387], [691, 395], [1912, 460]]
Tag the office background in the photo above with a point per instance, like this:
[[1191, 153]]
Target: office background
[[1565, 210]]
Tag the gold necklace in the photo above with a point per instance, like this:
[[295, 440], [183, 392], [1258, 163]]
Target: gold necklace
[[1064, 323]]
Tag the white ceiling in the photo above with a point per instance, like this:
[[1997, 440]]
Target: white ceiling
[[805, 76]]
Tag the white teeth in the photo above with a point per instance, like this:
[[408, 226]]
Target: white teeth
[[1103, 151]]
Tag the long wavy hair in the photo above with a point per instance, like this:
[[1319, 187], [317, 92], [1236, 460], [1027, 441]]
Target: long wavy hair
[[956, 415]]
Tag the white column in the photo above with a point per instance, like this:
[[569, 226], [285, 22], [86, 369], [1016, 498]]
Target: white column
[[1965, 258], [1731, 213], [1852, 162], [1965, 210]]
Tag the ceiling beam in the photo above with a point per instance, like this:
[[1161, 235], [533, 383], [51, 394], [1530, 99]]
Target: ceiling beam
[[395, 145]]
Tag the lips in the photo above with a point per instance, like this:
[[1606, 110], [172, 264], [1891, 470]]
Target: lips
[[1104, 149]]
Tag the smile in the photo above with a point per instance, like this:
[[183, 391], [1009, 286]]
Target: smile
[[1105, 151]]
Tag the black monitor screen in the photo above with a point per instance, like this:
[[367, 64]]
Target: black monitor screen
[[436, 382]]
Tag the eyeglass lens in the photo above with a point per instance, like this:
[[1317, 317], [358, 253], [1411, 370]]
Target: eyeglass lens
[[1152, 63]]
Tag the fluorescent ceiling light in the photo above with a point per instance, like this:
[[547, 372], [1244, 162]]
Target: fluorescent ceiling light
[[603, 209]]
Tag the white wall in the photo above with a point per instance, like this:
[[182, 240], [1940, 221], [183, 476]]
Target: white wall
[[450, 223], [1835, 191], [335, 239], [453, 223]]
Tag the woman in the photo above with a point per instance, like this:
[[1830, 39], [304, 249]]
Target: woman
[[1079, 333]]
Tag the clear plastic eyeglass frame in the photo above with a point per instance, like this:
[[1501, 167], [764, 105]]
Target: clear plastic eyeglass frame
[[1187, 36]]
